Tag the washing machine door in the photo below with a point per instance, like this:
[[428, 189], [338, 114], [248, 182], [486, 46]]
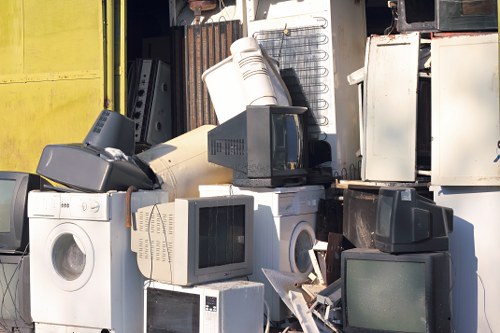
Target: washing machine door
[[70, 256], [302, 240]]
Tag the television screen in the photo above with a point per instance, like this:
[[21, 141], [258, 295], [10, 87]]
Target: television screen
[[408, 222], [195, 240], [266, 146], [446, 15], [14, 188], [218, 229], [384, 292]]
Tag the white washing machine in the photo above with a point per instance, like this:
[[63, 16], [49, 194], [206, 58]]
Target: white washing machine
[[84, 277], [284, 232]]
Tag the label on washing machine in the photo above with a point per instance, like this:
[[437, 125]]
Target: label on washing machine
[[44, 204]]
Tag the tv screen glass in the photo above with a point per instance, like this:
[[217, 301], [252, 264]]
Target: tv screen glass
[[172, 312], [287, 142], [7, 188], [222, 235], [386, 295]]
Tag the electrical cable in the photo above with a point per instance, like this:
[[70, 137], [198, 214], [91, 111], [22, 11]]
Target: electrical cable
[[268, 315], [484, 302]]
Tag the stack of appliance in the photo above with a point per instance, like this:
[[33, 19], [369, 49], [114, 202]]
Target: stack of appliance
[[265, 142], [464, 161], [84, 277], [284, 232], [195, 253], [404, 285], [15, 312]]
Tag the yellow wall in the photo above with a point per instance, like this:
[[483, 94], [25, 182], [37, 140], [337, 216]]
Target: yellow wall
[[53, 75]]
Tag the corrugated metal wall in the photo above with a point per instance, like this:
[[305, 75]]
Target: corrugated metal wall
[[204, 46]]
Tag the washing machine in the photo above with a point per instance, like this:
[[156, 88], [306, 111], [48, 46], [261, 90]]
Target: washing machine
[[284, 232], [84, 277]]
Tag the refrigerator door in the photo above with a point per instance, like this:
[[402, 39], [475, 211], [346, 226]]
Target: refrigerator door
[[390, 105], [465, 110]]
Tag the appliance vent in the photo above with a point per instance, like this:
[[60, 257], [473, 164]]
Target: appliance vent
[[228, 147]]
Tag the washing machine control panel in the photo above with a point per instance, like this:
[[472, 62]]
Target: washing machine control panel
[[84, 206]]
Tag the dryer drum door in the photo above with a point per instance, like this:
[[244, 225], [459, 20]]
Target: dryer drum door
[[302, 240], [71, 256]]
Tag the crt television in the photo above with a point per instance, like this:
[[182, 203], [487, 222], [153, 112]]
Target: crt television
[[195, 240], [447, 15], [408, 222], [14, 188], [266, 146], [220, 307], [383, 293]]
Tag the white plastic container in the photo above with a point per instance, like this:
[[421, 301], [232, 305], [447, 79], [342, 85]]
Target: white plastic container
[[247, 77]]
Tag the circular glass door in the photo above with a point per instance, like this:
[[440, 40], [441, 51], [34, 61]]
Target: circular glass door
[[302, 241], [71, 256]]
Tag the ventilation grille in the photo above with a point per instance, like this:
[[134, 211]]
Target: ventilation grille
[[302, 53], [228, 147]]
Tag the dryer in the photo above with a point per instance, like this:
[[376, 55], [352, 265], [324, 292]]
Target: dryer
[[84, 277], [284, 232]]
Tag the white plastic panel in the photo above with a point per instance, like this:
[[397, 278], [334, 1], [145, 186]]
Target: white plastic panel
[[390, 107], [475, 254], [465, 110]]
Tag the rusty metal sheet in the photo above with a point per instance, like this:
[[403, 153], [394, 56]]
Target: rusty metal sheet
[[205, 45]]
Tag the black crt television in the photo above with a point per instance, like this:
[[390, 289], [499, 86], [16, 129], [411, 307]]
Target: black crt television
[[383, 293], [408, 222], [447, 15], [14, 188], [266, 146]]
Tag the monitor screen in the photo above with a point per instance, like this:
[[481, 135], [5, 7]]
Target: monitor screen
[[7, 191], [222, 235], [287, 142], [384, 292]]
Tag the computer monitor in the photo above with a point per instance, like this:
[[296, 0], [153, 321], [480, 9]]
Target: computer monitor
[[383, 293], [195, 240], [408, 222], [14, 188], [266, 146]]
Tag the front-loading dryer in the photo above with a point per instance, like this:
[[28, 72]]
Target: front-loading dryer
[[284, 232], [83, 273]]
